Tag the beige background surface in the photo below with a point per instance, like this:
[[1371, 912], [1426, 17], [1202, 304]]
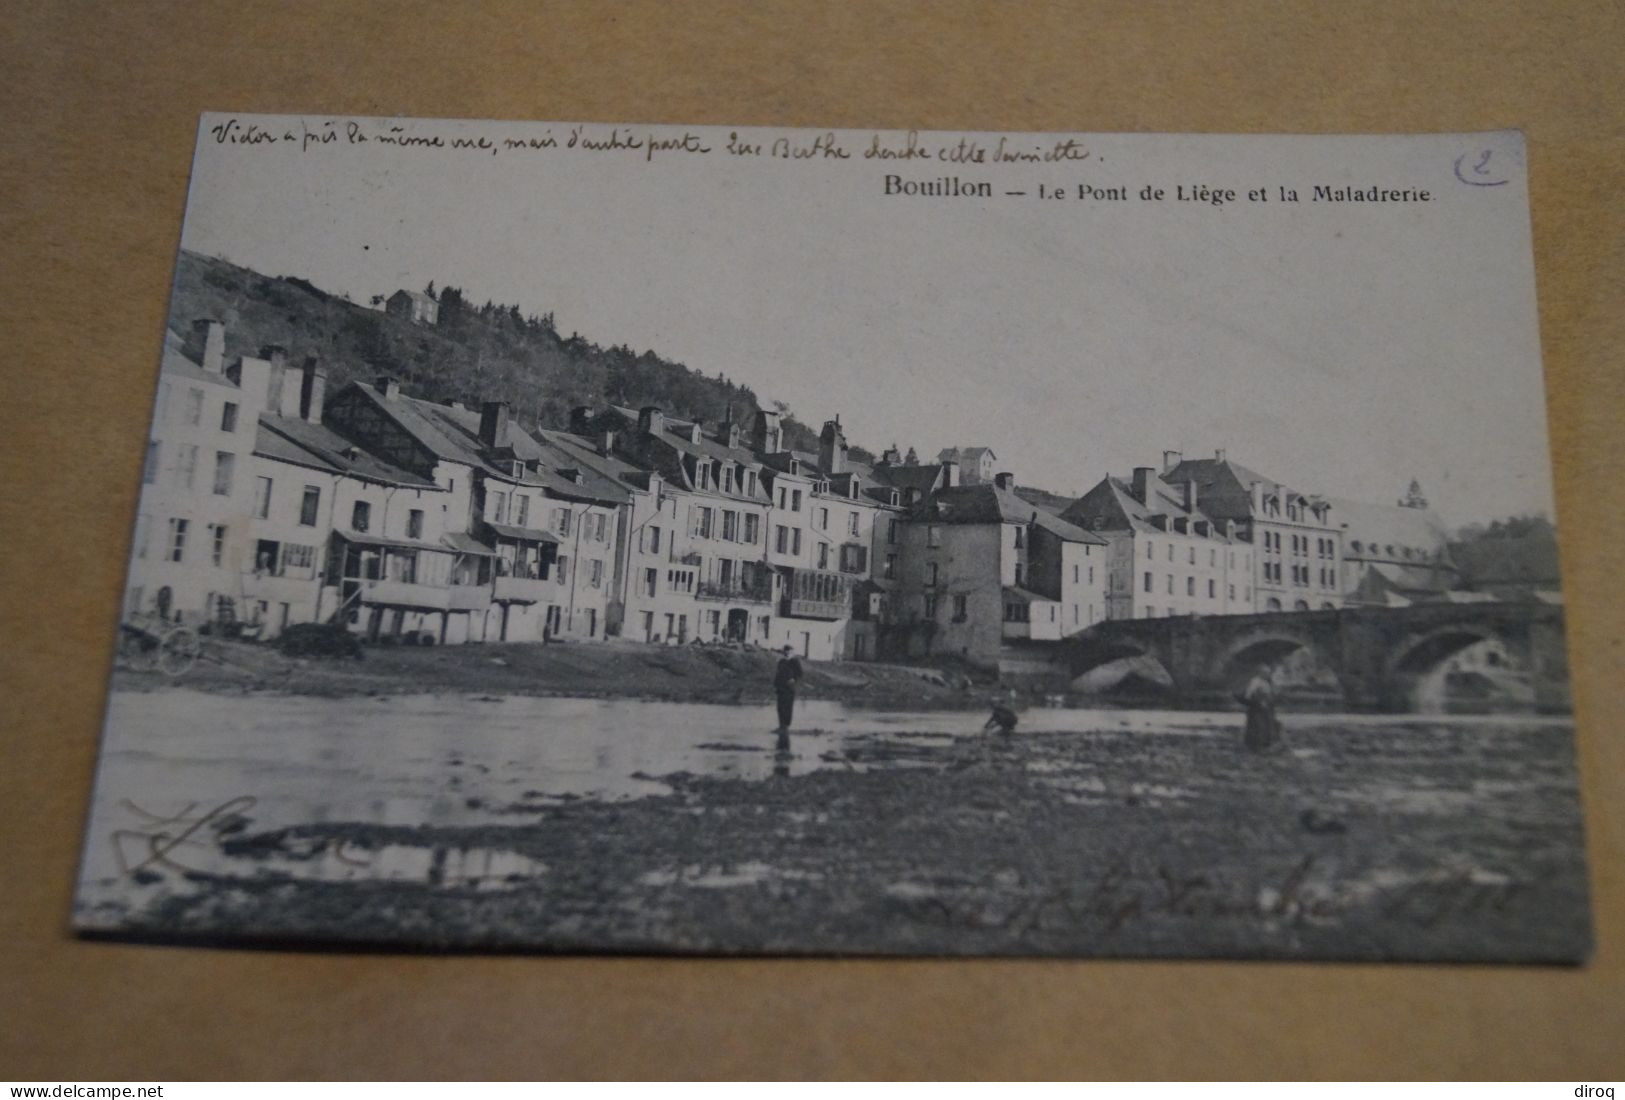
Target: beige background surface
[[101, 103]]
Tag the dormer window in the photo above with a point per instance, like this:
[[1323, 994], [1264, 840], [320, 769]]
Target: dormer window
[[517, 468], [895, 500]]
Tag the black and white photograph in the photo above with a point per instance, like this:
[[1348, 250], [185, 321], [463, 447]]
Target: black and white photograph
[[610, 538]]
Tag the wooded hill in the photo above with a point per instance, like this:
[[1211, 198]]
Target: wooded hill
[[476, 353]]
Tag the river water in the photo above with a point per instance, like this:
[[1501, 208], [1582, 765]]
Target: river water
[[172, 758]]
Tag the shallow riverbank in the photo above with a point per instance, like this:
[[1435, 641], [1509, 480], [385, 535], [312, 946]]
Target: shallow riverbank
[[611, 669], [1362, 839]]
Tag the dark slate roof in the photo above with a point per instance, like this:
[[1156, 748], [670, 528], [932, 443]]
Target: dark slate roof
[[454, 435], [583, 453], [990, 504], [301, 443], [1012, 592], [1113, 501], [523, 534], [1224, 487]]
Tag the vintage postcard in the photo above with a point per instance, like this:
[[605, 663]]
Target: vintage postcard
[[589, 537]]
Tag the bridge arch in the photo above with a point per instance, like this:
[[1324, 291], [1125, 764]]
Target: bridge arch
[[1422, 654], [1266, 647]]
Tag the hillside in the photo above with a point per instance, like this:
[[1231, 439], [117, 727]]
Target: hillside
[[490, 352]]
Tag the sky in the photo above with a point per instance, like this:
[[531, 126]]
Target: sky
[[1342, 348]]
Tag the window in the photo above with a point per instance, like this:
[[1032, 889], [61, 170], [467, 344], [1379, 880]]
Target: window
[[781, 539], [185, 465], [262, 498], [795, 500], [1148, 582], [1075, 574], [891, 566], [1190, 586], [194, 406], [930, 607], [823, 519], [713, 623], [361, 515], [177, 539], [891, 532], [852, 525], [730, 526], [961, 611], [654, 540], [521, 510], [702, 523], [931, 573], [752, 528], [298, 556], [1091, 574], [1212, 589], [795, 541], [1192, 556], [1018, 574], [1170, 551], [217, 544], [414, 523], [1150, 550], [228, 416], [1232, 591], [823, 555], [564, 518], [933, 536], [308, 506], [224, 464], [603, 527], [595, 574], [1170, 583], [564, 568], [149, 472]]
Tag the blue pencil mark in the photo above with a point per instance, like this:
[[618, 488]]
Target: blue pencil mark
[[1482, 174]]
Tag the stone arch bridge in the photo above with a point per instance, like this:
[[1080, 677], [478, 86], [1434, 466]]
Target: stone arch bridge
[[1380, 655]]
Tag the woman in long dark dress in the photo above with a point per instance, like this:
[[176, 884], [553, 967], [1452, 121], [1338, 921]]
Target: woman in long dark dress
[[1263, 729]]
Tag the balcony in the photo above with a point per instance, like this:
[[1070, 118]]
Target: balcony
[[523, 590], [468, 597], [815, 594], [392, 593], [759, 591]]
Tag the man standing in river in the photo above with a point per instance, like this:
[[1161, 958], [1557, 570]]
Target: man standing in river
[[785, 679]]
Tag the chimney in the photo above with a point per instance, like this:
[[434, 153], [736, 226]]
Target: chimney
[[1190, 495], [950, 475], [606, 442], [769, 435], [208, 343], [891, 456], [696, 431], [312, 389], [651, 421], [387, 386], [283, 396], [580, 418], [832, 448], [494, 424], [1256, 489], [1005, 481], [1142, 484], [1170, 459], [1218, 455]]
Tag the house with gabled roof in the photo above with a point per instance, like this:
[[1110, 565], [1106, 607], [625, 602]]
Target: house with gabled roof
[[697, 565], [984, 573], [547, 528], [1166, 556], [1297, 542]]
